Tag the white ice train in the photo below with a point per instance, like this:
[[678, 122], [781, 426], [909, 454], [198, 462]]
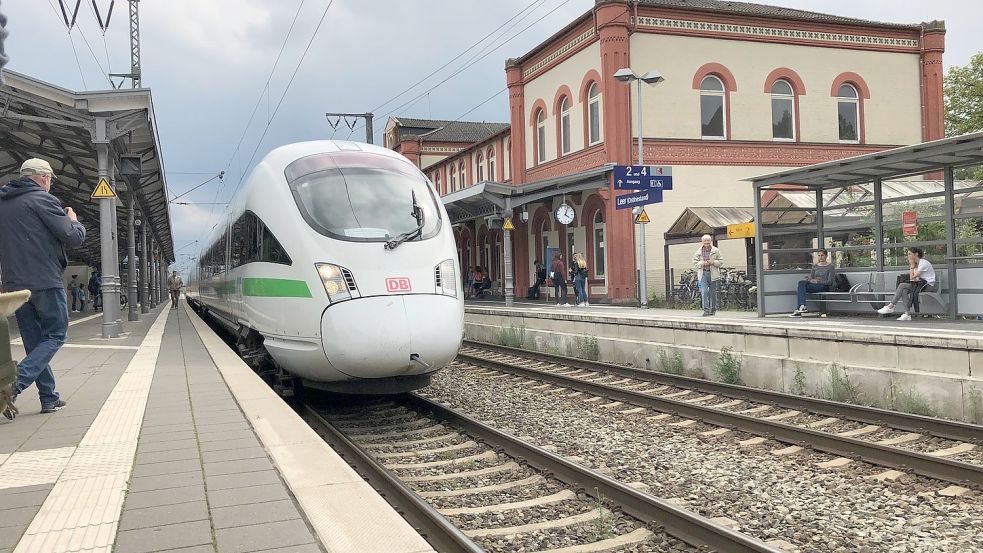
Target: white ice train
[[335, 264]]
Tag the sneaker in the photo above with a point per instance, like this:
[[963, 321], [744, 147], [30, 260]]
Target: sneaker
[[566, 305], [57, 406], [586, 304], [886, 310], [10, 410], [796, 313], [904, 317]]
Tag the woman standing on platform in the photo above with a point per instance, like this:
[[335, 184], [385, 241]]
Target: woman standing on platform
[[708, 261], [580, 279], [558, 272]]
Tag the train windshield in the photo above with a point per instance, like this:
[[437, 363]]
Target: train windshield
[[359, 196]]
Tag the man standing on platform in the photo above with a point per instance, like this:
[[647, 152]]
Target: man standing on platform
[[34, 230], [708, 262], [174, 284]]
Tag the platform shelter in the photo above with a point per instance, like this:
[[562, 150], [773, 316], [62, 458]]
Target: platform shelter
[[88, 136], [867, 211]]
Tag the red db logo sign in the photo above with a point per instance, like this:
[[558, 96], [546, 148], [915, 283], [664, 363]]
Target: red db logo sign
[[398, 284]]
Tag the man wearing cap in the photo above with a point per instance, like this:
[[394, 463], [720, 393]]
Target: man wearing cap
[[34, 230]]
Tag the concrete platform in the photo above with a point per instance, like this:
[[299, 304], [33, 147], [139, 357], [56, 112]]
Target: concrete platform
[[170, 443], [935, 361]]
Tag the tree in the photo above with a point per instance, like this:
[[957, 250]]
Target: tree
[[964, 98]]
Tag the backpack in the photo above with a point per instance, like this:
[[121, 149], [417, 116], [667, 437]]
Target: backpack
[[841, 283]]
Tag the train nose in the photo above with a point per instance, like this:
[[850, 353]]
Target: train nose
[[379, 337]]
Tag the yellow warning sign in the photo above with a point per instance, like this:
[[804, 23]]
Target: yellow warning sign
[[103, 191], [507, 225], [642, 217]]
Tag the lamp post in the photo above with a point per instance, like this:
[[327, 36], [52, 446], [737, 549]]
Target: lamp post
[[626, 75]]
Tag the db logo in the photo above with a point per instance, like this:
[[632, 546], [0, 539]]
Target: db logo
[[400, 284]]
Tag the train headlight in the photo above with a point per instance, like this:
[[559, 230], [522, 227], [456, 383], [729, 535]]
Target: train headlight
[[338, 282], [445, 278]]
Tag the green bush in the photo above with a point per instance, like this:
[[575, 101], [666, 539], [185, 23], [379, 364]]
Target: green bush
[[671, 364], [975, 405], [838, 387], [910, 401], [513, 336], [728, 367], [799, 381], [584, 347]]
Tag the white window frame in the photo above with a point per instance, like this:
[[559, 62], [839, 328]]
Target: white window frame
[[790, 98], [491, 163], [545, 239], [722, 93], [855, 100], [565, 146], [541, 136], [464, 174], [480, 166], [599, 225], [594, 104], [507, 168], [453, 176]]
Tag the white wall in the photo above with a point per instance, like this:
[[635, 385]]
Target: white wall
[[672, 108]]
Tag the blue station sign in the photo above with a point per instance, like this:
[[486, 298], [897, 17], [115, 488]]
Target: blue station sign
[[645, 197], [643, 177]]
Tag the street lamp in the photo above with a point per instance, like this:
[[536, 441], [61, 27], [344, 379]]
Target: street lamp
[[626, 75]]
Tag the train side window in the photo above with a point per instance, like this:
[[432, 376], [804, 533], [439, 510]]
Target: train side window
[[270, 249], [237, 253]]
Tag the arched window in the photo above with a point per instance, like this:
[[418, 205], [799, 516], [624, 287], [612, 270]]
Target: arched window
[[453, 178], [462, 174], [712, 108], [599, 229], [480, 162], [593, 114], [782, 111], [491, 163], [848, 113], [540, 136], [565, 126], [436, 183]]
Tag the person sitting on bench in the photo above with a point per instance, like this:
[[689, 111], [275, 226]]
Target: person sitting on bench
[[820, 279], [480, 283], [921, 278]]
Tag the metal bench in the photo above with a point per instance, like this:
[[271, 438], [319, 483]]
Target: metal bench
[[879, 288]]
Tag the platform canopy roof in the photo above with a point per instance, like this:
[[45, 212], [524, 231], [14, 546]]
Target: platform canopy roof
[[694, 222], [487, 199], [38, 119], [888, 164]]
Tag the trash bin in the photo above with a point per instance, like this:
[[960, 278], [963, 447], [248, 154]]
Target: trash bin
[[8, 369]]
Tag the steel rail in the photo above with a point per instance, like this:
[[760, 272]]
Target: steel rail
[[433, 526], [952, 430], [685, 525], [921, 463]]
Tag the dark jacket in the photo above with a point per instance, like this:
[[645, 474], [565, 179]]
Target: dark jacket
[[559, 269], [34, 231]]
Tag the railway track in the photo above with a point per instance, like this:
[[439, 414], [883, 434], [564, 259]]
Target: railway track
[[469, 487], [877, 436]]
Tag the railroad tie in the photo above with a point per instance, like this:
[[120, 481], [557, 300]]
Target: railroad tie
[[904, 438], [486, 456], [589, 516], [504, 467], [557, 497], [860, 431], [616, 543], [783, 416], [954, 450], [537, 479], [446, 449]]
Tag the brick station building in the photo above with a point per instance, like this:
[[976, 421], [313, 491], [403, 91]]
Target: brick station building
[[749, 89]]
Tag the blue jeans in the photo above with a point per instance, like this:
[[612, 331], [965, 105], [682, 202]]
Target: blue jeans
[[43, 324], [580, 287], [806, 287], [708, 292]]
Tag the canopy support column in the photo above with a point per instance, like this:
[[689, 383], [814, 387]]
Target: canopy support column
[[110, 268], [144, 282], [878, 225], [759, 269], [131, 261], [507, 257], [950, 243]]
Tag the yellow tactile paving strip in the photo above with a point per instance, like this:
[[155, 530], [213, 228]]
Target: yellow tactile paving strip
[[82, 511]]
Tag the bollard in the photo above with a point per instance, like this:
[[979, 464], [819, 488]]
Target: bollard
[[8, 369]]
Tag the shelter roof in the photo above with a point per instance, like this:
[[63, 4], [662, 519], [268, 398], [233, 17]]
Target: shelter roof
[[694, 222], [888, 164], [487, 199], [439, 130], [38, 119]]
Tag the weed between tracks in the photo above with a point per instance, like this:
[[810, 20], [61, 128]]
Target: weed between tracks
[[601, 523], [728, 367], [839, 388], [910, 401]]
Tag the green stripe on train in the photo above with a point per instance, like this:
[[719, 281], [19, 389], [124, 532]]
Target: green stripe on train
[[275, 288]]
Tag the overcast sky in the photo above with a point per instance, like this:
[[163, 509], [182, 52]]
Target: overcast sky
[[208, 61]]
